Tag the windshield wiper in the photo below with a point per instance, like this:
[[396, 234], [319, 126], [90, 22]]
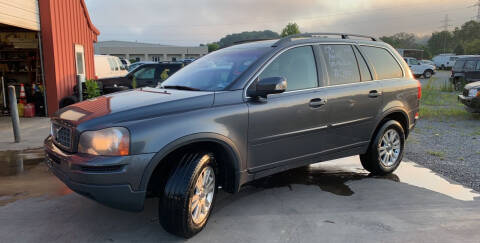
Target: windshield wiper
[[179, 87]]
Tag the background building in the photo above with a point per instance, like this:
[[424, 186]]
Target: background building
[[148, 52], [44, 44]]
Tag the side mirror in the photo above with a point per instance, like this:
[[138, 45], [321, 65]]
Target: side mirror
[[266, 86]]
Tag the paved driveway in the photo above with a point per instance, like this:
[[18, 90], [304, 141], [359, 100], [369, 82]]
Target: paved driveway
[[333, 201]]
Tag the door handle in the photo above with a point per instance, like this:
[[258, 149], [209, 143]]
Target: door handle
[[374, 94], [317, 102]]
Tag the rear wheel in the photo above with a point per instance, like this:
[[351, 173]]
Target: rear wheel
[[386, 150], [189, 194]]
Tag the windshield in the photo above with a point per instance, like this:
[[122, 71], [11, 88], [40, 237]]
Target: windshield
[[215, 71]]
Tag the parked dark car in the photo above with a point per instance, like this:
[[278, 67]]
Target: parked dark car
[[465, 70], [471, 97], [146, 75], [136, 64], [236, 115]]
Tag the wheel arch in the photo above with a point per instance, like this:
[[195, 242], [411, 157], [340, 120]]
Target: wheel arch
[[222, 146], [396, 113]]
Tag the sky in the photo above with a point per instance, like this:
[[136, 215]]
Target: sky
[[190, 23]]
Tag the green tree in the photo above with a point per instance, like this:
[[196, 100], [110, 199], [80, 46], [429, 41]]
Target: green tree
[[231, 39], [290, 29], [459, 50], [92, 88], [473, 47], [213, 46], [441, 42], [401, 40]]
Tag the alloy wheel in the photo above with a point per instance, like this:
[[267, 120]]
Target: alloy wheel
[[389, 148], [202, 196]]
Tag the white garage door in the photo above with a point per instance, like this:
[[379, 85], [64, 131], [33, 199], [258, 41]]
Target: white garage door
[[20, 13]]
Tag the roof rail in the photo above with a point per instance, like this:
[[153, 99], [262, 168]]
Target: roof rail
[[313, 35], [251, 40]]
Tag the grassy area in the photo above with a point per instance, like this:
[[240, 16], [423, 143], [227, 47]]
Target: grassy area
[[440, 102], [436, 153]]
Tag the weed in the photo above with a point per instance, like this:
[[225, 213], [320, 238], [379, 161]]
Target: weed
[[436, 153]]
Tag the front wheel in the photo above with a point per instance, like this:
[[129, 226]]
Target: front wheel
[[386, 150], [427, 74], [189, 194]]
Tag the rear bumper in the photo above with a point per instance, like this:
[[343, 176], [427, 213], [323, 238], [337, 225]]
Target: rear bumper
[[472, 103], [113, 181]]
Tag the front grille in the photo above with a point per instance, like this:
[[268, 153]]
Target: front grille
[[62, 136]]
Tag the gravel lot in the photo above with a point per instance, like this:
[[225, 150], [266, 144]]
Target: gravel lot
[[450, 147]]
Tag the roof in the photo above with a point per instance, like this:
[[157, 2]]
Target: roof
[[114, 43], [87, 16], [469, 58]]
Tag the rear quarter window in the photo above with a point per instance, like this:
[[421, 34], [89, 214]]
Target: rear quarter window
[[383, 62]]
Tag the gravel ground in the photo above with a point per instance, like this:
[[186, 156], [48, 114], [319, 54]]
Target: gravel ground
[[451, 148]]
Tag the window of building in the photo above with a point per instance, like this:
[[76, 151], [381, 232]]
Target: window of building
[[478, 66], [342, 66], [383, 62], [80, 59], [297, 65]]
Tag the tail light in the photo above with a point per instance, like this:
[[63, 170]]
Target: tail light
[[417, 116], [419, 90]]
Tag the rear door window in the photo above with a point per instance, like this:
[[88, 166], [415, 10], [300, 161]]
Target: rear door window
[[383, 62], [341, 64], [297, 65]]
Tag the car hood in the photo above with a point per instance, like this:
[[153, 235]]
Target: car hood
[[133, 105], [473, 85]]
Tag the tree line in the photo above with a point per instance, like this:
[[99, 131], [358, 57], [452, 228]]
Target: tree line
[[462, 40]]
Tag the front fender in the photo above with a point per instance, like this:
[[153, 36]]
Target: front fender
[[228, 144]]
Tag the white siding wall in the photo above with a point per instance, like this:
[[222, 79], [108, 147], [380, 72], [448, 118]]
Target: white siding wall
[[20, 13]]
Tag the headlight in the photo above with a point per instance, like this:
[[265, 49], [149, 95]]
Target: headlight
[[472, 92], [109, 141]]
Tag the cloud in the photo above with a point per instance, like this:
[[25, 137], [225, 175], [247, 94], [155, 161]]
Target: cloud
[[185, 22]]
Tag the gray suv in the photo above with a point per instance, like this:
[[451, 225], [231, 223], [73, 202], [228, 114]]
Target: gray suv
[[233, 116]]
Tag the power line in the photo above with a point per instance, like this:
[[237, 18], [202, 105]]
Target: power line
[[478, 10]]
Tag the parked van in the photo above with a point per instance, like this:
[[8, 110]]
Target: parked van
[[445, 60], [107, 66]]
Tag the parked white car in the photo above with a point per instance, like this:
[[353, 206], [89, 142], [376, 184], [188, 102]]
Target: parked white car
[[420, 69], [428, 62], [107, 66], [445, 60]]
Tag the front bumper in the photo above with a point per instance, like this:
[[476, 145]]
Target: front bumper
[[472, 103], [110, 180]]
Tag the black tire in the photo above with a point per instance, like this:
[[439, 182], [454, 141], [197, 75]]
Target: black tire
[[371, 160], [69, 100], [442, 67], [174, 204], [427, 74]]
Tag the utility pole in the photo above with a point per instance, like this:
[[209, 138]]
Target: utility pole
[[445, 22], [445, 26]]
